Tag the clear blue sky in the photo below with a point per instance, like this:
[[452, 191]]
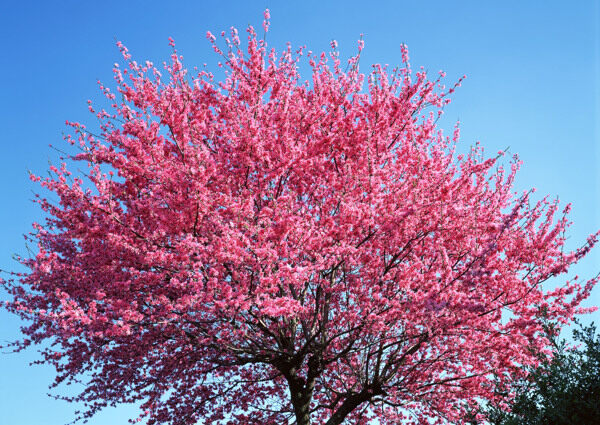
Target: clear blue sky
[[533, 84]]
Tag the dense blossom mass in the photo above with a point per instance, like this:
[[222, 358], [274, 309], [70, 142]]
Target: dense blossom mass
[[266, 250]]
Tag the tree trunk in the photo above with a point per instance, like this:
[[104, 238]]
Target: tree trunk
[[301, 396], [347, 406]]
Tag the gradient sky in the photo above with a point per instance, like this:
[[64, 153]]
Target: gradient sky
[[532, 84]]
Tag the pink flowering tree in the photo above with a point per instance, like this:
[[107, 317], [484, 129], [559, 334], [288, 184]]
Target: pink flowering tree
[[267, 250]]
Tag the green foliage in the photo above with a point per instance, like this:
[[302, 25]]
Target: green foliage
[[564, 390]]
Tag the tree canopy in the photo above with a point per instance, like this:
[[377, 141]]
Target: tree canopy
[[264, 250]]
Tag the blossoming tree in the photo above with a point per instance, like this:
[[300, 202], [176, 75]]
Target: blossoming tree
[[263, 250]]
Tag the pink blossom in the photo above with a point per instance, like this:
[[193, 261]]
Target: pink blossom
[[310, 245]]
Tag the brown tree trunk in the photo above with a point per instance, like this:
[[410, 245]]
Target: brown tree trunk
[[347, 406], [301, 396]]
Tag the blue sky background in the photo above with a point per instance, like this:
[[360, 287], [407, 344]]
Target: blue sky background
[[532, 84]]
